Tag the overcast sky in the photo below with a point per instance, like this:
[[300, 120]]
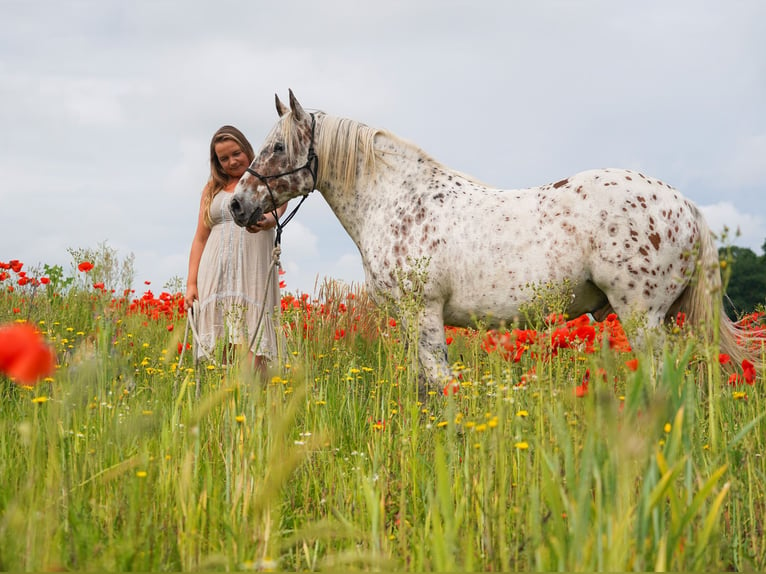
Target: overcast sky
[[107, 107]]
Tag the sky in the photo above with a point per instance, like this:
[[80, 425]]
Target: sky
[[107, 108]]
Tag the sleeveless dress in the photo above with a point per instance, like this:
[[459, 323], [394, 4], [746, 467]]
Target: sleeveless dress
[[231, 284]]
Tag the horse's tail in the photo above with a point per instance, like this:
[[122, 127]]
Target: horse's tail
[[703, 304]]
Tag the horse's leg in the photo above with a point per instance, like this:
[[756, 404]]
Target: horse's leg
[[432, 349]]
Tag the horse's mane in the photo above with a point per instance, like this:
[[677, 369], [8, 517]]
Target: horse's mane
[[341, 143]]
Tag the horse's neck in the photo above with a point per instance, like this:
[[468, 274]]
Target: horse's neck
[[376, 196]]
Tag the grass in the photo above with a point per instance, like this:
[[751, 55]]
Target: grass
[[118, 463]]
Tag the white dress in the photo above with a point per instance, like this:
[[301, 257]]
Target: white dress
[[231, 283]]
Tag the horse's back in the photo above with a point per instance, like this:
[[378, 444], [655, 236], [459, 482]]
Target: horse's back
[[608, 232]]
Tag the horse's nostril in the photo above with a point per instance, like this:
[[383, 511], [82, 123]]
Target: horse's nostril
[[234, 206]]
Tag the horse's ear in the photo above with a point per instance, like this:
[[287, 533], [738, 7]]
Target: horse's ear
[[281, 108], [296, 107]]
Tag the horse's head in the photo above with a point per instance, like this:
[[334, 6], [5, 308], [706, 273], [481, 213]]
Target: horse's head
[[285, 167]]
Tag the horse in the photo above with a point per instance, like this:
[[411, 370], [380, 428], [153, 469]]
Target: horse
[[624, 242]]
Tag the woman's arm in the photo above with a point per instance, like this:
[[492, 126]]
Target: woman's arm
[[195, 255]]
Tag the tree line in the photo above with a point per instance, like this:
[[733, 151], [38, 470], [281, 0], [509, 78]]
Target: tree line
[[746, 287]]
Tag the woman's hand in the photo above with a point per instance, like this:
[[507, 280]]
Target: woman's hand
[[191, 296], [264, 223]]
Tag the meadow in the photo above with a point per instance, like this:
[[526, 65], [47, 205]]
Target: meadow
[[559, 448]]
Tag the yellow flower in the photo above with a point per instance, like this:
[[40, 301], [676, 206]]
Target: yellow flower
[[39, 400], [481, 427], [739, 395], [240, 418], [521, 445], [522, 414], [141, 474], [441, 424], [667, 427]]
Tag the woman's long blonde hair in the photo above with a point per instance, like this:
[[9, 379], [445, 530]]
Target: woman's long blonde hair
[[218, 178]]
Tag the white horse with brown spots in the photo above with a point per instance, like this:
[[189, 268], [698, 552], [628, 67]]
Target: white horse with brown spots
[[621, 240]]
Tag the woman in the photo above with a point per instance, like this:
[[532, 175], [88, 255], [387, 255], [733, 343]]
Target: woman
[[228, 265]]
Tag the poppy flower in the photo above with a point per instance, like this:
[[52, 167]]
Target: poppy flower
[[85, 266], [24, 354], [748, 371], [582, 389], [451, 388], [632, 364], [723, 358]]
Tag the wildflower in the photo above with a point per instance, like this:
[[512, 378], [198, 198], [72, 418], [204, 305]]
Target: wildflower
[[44, 280], [724, 359], [739, 395], [667, 428], [522, 414], [85, 266], [141, 474], [521, 445], [582, 389], [40, 399], [24, 354], [451, 388], [632, 364], [240, 418], [748, 370]]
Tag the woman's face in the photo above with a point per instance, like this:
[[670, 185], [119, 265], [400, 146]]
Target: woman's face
[[231, 157]]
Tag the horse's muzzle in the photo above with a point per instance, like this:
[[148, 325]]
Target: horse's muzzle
[[240, 215]]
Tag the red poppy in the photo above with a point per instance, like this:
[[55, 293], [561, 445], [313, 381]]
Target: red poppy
[[632, 364], [85, 266], [748, 370], [723, 358], [582, 389], [451, 388], [44, 280], [24, 354]]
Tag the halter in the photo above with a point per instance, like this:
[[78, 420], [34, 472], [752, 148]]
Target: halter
[[312, 162]]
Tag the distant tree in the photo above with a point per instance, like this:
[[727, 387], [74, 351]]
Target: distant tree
[[747, 283]]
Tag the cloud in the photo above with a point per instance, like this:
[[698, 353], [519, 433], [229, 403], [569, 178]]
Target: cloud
[[744, 229]]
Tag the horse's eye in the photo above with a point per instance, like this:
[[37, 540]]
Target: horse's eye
[[279, 147]]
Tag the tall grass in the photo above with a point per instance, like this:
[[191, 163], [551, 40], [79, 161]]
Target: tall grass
[[116, 463]]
